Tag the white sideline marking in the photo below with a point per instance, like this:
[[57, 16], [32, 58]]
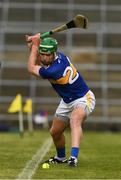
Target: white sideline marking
[[32, 165]]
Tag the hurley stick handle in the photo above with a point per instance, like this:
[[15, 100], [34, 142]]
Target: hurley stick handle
[[79, 21], [46, 34]]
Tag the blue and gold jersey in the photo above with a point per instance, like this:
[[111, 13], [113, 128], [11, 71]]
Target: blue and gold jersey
[[65, 79]]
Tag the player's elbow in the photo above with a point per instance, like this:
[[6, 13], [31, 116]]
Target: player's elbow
[[30, 69], [33, 69]]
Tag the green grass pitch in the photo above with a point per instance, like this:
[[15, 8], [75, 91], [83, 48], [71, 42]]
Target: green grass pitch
[[99, 157]]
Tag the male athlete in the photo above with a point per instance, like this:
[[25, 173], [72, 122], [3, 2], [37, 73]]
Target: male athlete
[[77, 101]]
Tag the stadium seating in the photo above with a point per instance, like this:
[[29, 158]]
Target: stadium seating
[[95, 51]]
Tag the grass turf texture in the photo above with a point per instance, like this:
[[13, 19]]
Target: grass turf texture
[[99, 156]]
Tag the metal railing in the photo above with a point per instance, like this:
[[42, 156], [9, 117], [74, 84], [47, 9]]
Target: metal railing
[[98, 27]]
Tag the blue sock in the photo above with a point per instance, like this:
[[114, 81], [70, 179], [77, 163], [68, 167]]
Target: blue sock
[[74, 152], [60, 152]]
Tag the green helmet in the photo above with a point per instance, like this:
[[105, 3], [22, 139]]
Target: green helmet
[[48, 46]]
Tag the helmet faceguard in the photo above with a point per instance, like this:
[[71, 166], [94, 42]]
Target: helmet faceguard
[[48, 46]]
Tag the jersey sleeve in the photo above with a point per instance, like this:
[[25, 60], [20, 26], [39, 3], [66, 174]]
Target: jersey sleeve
[[51, 72], [44, 73]]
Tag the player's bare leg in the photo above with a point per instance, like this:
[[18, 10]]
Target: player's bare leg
[[56, 131], [77, 117]]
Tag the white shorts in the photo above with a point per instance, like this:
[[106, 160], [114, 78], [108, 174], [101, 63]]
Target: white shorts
[[87, 102]]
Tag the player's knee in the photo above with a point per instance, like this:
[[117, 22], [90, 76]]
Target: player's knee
[[77, 117], [76, 121], [53, 132]]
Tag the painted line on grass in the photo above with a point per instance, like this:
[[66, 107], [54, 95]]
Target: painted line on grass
[[32, 165]]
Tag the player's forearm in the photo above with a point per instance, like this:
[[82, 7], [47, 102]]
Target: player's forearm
[[32, 67]]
